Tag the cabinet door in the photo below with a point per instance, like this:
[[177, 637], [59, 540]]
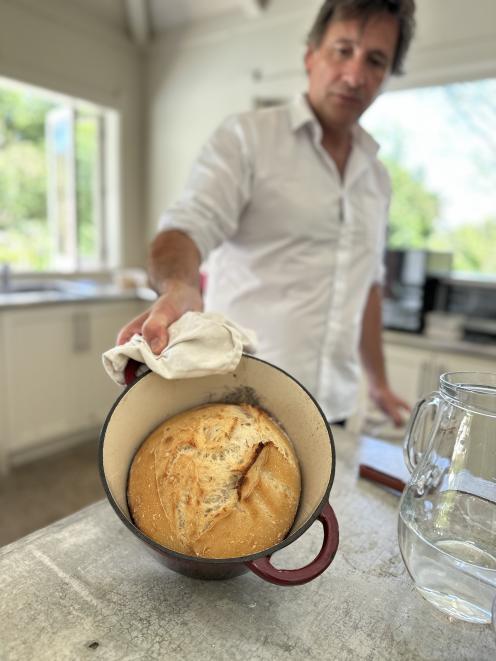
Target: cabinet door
[[94, 330], [54, 384], [456, 362], [410, 376], [4, 430], [410, 372], [37, 373]]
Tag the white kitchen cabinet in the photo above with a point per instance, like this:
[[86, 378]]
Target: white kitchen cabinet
[[94, 330], [410, 372], [53, 384], [413, 372], [3, 403], [456, 362], [36, 375]]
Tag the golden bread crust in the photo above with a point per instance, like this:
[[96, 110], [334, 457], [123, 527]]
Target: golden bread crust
[[217, 481]]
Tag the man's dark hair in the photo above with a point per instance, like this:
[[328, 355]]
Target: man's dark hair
[[338, 10]]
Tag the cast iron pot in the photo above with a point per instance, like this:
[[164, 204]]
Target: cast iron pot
[[149, 400]]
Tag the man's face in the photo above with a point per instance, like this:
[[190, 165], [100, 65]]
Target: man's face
[[346, 71]]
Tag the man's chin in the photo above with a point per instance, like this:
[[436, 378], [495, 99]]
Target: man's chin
[[339, 120]]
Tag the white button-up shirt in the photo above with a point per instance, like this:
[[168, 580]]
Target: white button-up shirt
[[300, 246]]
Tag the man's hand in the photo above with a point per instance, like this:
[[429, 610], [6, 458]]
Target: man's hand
[[178, 297], [390, 404]]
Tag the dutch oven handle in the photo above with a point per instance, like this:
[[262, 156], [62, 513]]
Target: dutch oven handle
[[266, 570], [130, 371]]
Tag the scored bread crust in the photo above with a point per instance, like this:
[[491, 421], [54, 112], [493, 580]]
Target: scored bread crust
[[217, 481]]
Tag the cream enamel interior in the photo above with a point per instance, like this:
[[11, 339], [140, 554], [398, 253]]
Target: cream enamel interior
[[153, 399]]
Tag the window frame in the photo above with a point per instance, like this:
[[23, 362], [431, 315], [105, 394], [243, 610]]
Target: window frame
[[109, 188]]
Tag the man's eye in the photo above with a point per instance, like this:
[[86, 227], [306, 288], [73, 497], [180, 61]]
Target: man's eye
[[378, 62], [343, 51]]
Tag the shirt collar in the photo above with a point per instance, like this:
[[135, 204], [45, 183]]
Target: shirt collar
[[301, 114], [364, 140]]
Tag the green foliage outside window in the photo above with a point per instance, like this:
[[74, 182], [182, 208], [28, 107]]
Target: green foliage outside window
[[413, 210], [26, 242], [413, 215], [24, 237], [440, 150], [473, 246]]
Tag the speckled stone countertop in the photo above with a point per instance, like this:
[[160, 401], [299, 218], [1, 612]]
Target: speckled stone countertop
[[82, 588]]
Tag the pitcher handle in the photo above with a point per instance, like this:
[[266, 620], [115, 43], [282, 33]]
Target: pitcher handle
[[411, 451]]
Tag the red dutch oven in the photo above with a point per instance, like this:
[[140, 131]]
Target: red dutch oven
[[149, 400]]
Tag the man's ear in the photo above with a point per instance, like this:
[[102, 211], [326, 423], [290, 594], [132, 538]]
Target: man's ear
[[308, 58]]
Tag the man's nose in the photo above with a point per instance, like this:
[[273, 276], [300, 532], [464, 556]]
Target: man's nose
[[354, 72]]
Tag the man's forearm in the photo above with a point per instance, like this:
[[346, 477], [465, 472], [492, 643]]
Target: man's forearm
[[173, 257], [373, 360], [371, 339]]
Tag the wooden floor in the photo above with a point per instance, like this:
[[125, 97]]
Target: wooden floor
[[36, 494]]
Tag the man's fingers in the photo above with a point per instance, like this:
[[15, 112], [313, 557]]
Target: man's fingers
[[126, 334], [398, 418], [152, 326], [157, 340], [154, 323], [155, 331], [132, 328]]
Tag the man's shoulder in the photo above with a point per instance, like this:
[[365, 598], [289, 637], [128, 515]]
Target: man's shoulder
[[371, 148], [261, 118], [382, 176]]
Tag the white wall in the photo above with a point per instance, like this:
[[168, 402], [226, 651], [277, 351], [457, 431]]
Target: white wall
[[52, 44], [198, 75]]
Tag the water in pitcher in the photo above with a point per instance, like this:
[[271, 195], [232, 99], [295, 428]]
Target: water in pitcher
[[455, 572]]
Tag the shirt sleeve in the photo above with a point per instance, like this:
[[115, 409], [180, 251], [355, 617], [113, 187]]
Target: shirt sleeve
[[218, 189]]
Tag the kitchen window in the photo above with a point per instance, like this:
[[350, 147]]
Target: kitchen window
[[57, 155], [439, 146]]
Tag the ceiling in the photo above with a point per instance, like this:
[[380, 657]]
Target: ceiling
[[144, 19]]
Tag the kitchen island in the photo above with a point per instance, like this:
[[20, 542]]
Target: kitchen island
[[83, 588]]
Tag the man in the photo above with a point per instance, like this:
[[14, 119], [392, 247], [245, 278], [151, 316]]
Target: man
[[297, 201]]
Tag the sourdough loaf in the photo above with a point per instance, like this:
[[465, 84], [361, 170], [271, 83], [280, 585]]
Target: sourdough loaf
[[217, 481]]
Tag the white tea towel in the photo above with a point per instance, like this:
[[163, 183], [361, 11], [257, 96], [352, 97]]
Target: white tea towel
[[200, 343]]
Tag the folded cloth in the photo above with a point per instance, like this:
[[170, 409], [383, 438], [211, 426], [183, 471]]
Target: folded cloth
[[200, 343]]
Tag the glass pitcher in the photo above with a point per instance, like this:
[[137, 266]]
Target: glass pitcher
[[447, 518]]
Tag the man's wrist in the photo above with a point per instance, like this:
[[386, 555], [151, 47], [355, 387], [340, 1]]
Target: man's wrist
[[174, 284], [378, 386]]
